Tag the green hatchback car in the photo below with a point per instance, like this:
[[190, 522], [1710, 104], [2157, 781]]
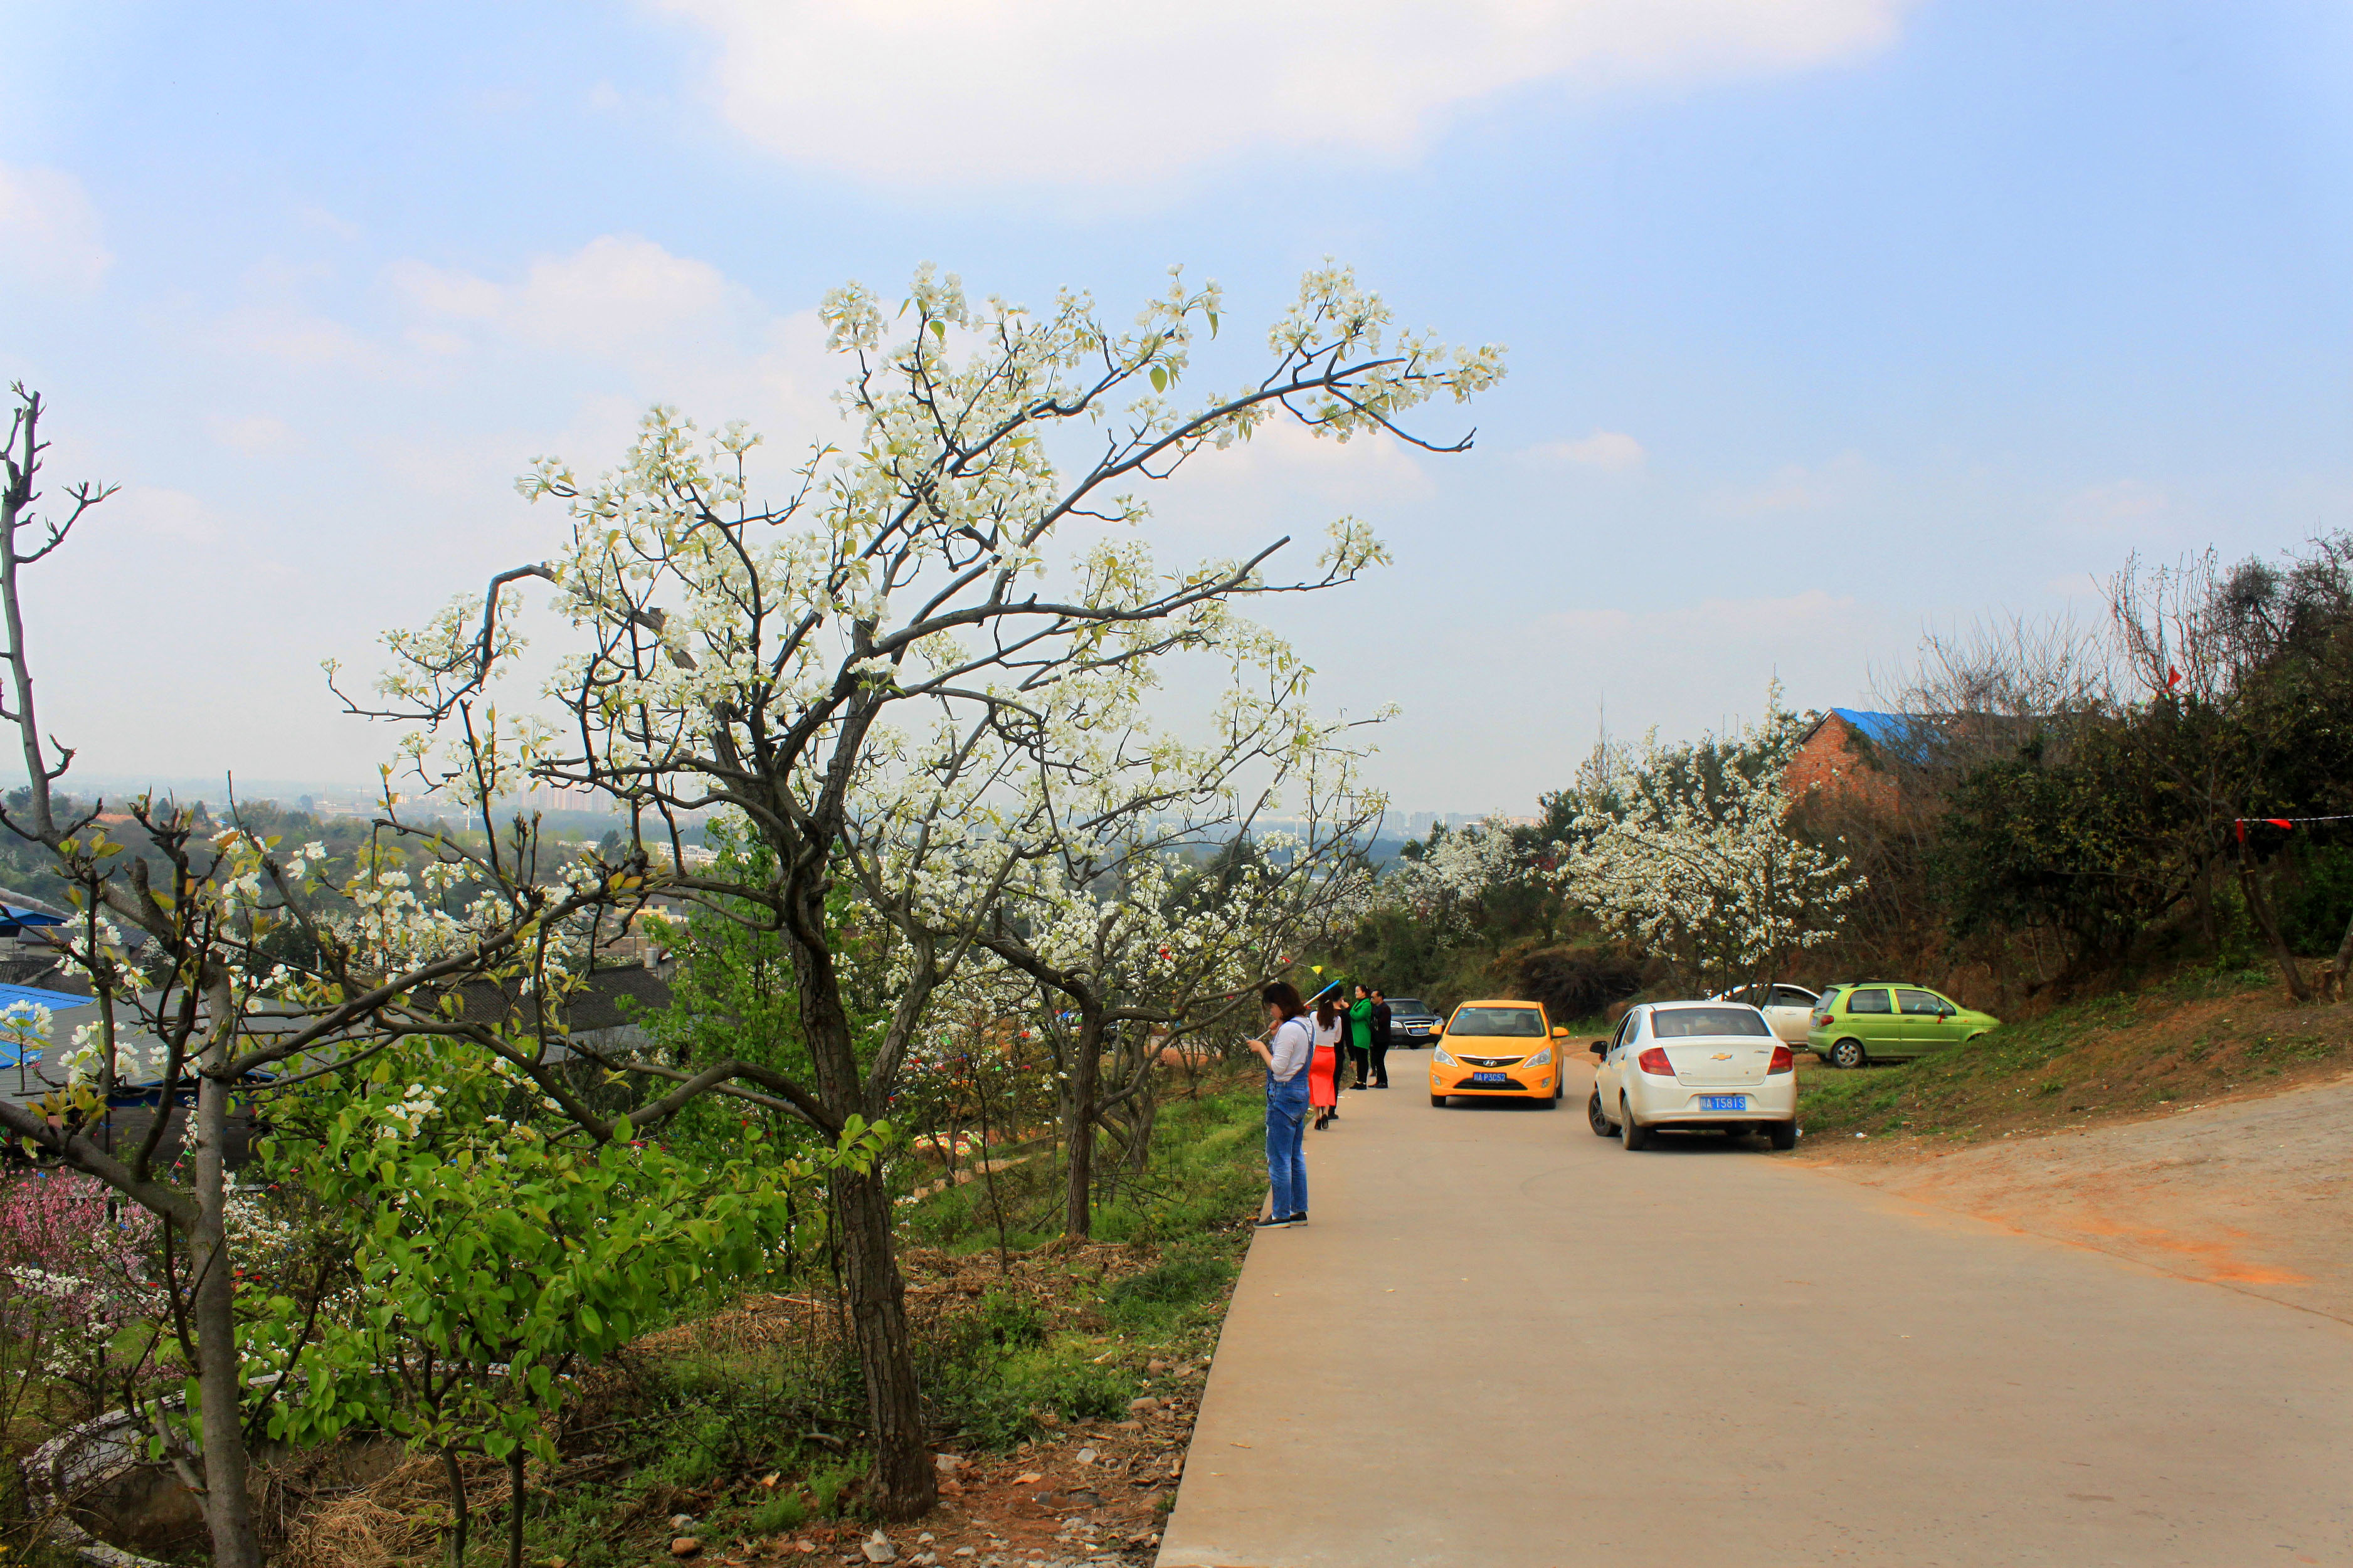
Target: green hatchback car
[[1879, 1020]]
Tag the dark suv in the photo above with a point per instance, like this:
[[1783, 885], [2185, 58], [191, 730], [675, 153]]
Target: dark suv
[[1410, 1023]]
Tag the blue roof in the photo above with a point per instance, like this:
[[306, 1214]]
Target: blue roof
[[1879, 729], [55, 1000]]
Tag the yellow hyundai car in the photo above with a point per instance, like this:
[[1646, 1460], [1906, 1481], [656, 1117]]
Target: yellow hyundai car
[[1504, 1050]]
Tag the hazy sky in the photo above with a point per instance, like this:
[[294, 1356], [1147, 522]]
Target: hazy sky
[[1828, 319]]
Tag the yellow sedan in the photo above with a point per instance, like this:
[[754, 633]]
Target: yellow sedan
[[1497, 1050]]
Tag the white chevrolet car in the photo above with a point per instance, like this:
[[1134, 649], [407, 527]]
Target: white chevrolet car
[[1688, 1066]]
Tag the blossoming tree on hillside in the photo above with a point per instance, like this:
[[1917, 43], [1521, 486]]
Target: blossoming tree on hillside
[[869, 669], [1687, 850]]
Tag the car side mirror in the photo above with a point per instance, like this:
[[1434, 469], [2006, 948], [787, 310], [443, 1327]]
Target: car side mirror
[[1560, 1031], [1600, 1047]]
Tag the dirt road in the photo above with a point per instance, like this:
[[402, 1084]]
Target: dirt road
[[2253, 1194], [1506, 1342]]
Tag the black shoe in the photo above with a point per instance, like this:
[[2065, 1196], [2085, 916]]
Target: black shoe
[[1299, 1218], [1272, 1222]]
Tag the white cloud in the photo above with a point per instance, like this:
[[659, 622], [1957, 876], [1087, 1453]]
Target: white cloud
[[614, 293], [2118, 501], [939, 92], [295, 334], [161, 513], [1798, 486], [48, 230], [1612, 451], [250, 432]]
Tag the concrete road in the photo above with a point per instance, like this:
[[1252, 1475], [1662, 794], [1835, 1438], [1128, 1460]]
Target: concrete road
[[1504, 1342]]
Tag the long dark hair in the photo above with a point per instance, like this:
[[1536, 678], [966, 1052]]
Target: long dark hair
[[1327, 1006], [1283, 995]]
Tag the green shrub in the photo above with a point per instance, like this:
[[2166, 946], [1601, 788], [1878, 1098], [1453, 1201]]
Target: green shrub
[[786, 1511]]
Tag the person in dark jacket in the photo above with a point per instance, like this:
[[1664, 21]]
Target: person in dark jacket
[[1380, 1047]]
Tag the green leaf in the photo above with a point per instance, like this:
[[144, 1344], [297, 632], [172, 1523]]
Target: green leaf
[[1159, 379]]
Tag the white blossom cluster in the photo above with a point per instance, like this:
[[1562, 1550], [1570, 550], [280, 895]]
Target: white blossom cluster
[[1690, 855], [1447, 881]]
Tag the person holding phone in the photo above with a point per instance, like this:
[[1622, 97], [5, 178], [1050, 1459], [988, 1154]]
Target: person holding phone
[[1285, 1052]]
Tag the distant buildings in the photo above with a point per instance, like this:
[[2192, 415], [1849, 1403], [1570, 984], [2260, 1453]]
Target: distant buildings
[[1836, 755], [1418, 824]]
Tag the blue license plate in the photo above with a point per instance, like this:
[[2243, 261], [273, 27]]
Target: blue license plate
[[1490, 1077], [1724, 1102]]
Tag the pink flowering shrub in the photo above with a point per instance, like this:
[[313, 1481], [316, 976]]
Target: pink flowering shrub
[[73, 1276]]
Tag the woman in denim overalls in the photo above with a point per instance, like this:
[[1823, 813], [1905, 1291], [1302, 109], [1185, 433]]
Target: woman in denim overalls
[[1286, 1061]]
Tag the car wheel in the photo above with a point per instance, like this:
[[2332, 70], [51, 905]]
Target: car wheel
[[1783, 1134], [1637, 1135], [1549, 1101], [1849, 1054], [1598, 1120], [1439, 1101]]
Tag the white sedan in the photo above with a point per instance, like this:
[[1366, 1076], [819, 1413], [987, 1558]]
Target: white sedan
[[1789, 1008], [1692, 1065]]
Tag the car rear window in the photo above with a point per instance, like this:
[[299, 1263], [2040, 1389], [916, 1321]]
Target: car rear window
[[1514, 1022], [1685, 1022], [1872, 1000]]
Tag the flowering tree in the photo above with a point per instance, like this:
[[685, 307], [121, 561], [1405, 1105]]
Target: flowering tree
[[1453, 874], [244, 988], [1687, 850], [1104, 920], [76, 1276], [867, 669]]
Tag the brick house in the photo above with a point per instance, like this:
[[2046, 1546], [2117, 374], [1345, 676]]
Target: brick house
[[1835, 756]]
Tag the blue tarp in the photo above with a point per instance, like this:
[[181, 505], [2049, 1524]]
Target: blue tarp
[[55, 1000]]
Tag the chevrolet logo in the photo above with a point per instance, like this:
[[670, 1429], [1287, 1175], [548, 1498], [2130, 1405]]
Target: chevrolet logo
[[1721, 1057]]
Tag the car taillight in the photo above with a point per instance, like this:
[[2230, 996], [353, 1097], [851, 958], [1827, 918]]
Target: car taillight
[[1782, 1060], [1822, 1020], [1655, 1062]]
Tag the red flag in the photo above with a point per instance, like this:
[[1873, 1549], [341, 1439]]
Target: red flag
[[2240, 826], [2172, 677], [2280, 822]]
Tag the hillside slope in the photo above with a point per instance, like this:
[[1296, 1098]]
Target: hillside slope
[[2194, 1040]]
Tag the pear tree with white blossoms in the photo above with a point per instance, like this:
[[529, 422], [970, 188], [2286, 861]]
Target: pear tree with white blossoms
[[1687, 850], [867, 669], [225, 967], [1445, 883], [1134, 954]]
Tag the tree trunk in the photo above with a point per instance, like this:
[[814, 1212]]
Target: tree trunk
[[229, 1510], [878, 1311], [1085, 1095], [870, 1284], [457, 1507], [2345, 958], [2268, 923], [514, 1508]]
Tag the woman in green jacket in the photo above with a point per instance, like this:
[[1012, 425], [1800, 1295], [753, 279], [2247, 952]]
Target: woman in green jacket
[[1360, 1033]]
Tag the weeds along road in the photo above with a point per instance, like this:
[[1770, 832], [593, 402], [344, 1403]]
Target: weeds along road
[[1504, 1342]]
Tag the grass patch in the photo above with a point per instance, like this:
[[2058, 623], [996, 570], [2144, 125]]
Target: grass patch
[[2192, 1036]]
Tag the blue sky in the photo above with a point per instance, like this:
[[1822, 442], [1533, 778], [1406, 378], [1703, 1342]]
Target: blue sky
[[1828, 320]]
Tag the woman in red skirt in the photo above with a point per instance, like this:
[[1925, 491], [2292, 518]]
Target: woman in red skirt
[[1323, 1069]]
